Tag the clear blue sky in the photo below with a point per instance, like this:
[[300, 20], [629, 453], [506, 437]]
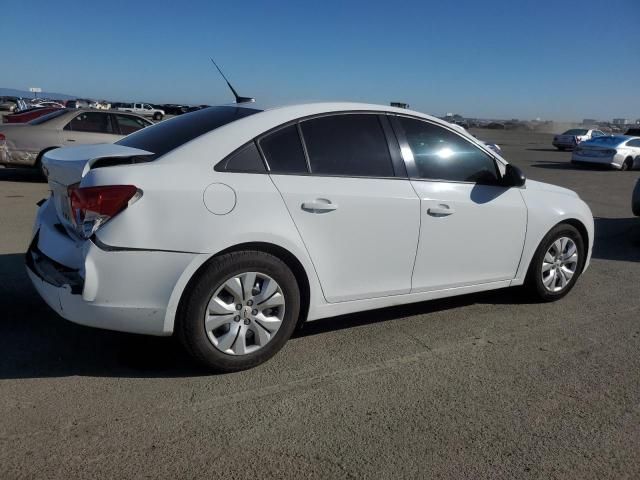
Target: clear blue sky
[[558, 59]]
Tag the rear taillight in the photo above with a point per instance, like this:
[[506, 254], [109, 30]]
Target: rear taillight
[[2, 138], [94, 206]]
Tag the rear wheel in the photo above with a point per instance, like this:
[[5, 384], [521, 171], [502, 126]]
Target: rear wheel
[[562, 149], [157, 116], [557, 263], [240, 312]]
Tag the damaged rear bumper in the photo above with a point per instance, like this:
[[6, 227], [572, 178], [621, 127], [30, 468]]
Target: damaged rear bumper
[[128, 291]]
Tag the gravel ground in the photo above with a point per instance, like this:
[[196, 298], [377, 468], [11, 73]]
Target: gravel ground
[[480, 386]]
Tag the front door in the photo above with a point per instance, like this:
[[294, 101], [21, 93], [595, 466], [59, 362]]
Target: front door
[[472, 228]]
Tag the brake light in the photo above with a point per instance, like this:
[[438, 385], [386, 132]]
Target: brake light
[[2, 138], [91, 207]]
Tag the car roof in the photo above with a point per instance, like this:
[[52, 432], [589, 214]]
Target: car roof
[[228, 137]]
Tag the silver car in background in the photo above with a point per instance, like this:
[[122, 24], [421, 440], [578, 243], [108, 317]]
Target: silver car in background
[[24, 144], [619, 151], [569, 139]]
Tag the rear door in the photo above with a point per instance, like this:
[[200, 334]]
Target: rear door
[[346, 189], [90, 127], [472, 228]]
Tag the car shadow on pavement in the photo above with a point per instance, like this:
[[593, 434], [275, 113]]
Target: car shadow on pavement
[[546, 150], [21, 175], [570, 166], [35, 342], [617, 239]]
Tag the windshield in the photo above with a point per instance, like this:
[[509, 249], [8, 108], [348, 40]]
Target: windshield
[[609, 141], [165, 136], [47, 117], [575, 131]]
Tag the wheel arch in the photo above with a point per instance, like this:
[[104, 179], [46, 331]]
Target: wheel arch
[[41, 154], [277, 251], [578, 225]]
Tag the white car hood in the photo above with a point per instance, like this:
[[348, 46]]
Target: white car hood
[[548, 187]]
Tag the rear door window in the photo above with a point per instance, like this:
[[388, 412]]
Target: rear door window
[[347, 145], [283, 151], [92, 122]]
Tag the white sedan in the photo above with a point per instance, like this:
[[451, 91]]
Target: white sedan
[[231, 225], [618, 151]]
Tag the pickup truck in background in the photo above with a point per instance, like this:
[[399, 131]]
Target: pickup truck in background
[[143, 109]]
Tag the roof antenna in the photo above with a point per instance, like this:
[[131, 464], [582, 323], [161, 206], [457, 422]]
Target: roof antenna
[[239, 99]]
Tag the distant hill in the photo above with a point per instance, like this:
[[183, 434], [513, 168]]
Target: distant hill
[[12, 92]]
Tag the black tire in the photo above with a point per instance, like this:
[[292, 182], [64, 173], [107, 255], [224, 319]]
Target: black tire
[[533, 281], [190, 322], [562, 149], [627, 164], [157, 116]]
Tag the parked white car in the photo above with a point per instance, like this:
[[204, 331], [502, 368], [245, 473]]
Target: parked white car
[[618, 151], [143, 109], [569, 139], [230, 225]]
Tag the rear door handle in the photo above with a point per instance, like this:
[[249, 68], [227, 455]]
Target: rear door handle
[[319, 205], [441, 210]]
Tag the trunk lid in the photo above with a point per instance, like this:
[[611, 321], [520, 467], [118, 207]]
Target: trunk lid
[[67, 166]]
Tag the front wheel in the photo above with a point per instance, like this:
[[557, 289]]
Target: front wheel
[[240, 311], [627, 165], [557, 263]]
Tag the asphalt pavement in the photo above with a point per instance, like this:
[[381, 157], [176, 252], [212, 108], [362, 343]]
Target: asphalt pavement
[[481, 386]]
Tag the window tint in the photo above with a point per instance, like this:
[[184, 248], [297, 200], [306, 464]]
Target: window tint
[[92, 122], [128, 124], [168, 135], [440, 154], [247, 159], [283, 151], [633, 143], [352, 144]]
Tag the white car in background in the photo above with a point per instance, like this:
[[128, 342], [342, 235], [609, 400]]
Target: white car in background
[[569, 139], [143, 109], [617, 151], [230, 225]]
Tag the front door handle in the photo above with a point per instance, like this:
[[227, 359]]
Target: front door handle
[[320, 205], [70, 140], [441, 210]]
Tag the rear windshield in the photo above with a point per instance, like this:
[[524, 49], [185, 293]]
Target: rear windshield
[[170, 134], [48, 116], [575, 131]]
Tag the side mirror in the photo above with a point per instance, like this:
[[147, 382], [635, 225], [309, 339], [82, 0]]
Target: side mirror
[[513, 176]]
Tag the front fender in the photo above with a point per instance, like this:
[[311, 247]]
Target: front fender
[[545, 210]]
